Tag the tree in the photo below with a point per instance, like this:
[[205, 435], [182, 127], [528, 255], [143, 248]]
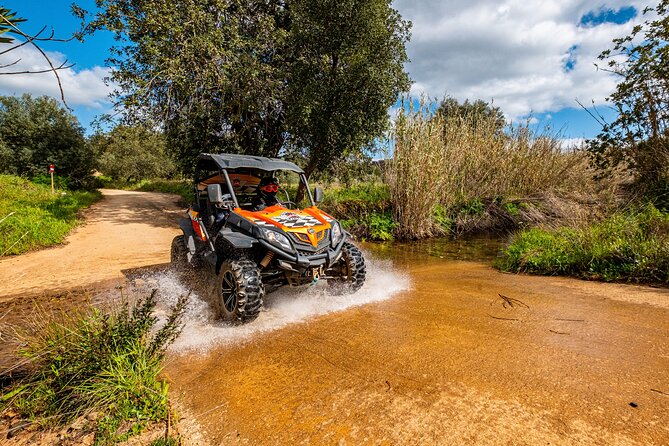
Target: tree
[[309, 79], [36, 132], [134, 152], [639, 136], [478, 111]]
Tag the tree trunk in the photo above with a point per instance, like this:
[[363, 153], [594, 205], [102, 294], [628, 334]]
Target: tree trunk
[[301, 192]]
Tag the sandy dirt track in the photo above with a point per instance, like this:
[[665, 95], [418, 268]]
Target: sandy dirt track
[[124, 230]]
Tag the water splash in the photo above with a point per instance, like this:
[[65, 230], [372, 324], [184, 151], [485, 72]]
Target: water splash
[[286, 306]]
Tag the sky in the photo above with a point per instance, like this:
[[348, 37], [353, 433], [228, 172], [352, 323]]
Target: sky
[[535, 59]]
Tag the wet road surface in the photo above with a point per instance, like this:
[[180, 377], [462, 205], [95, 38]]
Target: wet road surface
[[468, 355]]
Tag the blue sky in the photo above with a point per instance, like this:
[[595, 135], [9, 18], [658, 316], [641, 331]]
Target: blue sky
[[534, 59]]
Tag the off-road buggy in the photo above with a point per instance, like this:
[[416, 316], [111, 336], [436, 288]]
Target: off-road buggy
[[247, 252]]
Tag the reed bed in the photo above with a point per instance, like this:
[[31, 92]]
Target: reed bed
[[449, 162]]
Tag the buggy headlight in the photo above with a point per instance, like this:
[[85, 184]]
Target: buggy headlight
[[278, 239], [336, 233]]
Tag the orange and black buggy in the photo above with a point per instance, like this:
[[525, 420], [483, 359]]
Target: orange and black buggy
[[246, 231]]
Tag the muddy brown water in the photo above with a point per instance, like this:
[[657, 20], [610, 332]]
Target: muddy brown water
[[461, 354]]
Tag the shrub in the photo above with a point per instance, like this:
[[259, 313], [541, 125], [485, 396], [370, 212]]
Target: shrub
[[463, 161], [36, 132], [104, 362], [632, 246]]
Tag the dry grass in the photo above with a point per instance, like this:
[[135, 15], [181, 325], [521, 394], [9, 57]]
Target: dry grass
[[455, 161]]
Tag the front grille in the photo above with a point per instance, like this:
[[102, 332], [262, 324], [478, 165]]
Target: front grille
[[320, 250], [304, 247]]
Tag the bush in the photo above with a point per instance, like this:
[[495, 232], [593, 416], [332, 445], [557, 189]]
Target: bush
[[33, 217], [462, 161], [103, 362], [133, 153], [363, 209], [36, 132], [632, 246]]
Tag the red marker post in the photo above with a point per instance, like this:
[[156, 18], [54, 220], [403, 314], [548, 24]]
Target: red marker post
[[51, 169]]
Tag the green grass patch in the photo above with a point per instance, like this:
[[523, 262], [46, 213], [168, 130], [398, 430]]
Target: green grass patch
[[183, 188], [632, 246], [363, 209], [359, 199], [107, 363], [32, 217]]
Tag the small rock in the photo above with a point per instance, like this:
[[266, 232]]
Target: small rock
[[633, 404], [92, 416]]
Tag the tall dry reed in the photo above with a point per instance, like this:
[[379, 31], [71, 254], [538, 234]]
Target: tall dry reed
[[452, 160]]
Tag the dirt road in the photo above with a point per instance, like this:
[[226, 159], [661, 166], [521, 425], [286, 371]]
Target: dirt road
[[124, 230]]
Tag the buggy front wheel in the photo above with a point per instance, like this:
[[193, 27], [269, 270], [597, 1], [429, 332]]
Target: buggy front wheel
[[348, 274], [239, 290]]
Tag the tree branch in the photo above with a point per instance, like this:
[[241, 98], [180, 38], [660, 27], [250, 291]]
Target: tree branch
[[32, 41]]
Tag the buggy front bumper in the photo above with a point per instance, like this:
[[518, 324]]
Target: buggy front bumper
[[300, 262]]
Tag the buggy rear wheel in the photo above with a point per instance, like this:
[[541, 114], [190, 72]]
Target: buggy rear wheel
[[178, 253], [239, 290], [349, 272]]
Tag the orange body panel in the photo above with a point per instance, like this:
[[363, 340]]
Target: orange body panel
[[308, 224]]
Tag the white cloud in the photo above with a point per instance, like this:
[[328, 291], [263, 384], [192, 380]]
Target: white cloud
[[81, 87], [512, 52]]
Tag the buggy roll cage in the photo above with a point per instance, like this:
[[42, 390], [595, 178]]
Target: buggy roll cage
[[225, 161]]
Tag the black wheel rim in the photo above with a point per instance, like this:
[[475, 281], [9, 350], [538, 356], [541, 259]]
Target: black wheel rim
[[229, 292]]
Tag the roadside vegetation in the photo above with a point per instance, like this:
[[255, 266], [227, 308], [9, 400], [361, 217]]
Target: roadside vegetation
[[630, 246], [32, 217], [100, 370]]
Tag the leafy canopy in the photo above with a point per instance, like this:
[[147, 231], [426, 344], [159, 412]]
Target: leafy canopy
[[639, 137], [312, 80], [132, 152], [36, 132]]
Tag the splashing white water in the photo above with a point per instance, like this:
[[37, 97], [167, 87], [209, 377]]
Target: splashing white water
[[286, 306]]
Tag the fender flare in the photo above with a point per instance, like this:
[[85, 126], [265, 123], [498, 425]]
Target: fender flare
[[237, 240], [189, 235]]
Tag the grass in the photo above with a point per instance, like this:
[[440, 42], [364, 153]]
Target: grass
[[363, 209], [470, 168], [630, 246], [32, 217], [183, 188], [104, 363]]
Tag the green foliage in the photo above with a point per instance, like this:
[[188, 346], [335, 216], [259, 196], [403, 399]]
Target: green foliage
[[36, 132], [8, 20], [315, 78], [104, 362], [476, 112], [473, 207], [442, 218], [132, 153], [638, 138], [631, 246], [358, 199], [363, 208], [373, 226], [39, 217]]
